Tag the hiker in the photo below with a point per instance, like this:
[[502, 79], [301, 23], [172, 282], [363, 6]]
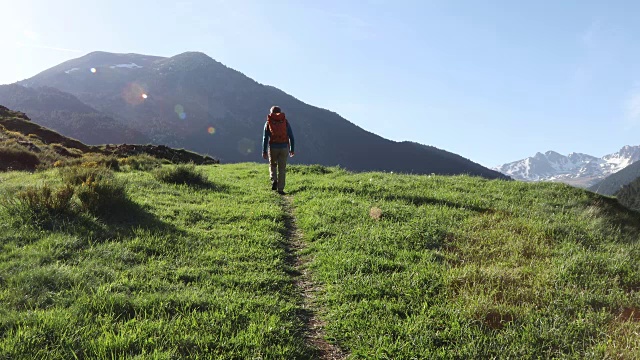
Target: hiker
[[279, 137]]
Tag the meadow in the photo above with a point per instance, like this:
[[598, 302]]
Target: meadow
[[180, 271], [402, 266]]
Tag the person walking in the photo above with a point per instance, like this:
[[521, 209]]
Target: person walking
[[279, 137]]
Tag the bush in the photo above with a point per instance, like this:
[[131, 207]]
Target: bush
[[16, 157], [97, 189], [78, 175], [99, 160], [181, 174], [42, 205], [101, 197], [142, 162], [59, 156]]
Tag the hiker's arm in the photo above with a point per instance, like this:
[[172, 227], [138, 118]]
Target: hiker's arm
[[291, 139], [265, 138]]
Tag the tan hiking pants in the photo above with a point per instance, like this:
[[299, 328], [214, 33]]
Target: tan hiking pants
[[278, 168]]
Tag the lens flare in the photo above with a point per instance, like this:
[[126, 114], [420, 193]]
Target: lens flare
[[134, 94], [246, 146], [211, 130], [93, 70], [179, 109]]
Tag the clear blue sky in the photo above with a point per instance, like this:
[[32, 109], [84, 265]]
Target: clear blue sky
[[494, 81]]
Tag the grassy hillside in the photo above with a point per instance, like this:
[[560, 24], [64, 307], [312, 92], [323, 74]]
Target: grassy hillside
[[629, 195], [25, 145], [402, 267], [440, 267], [178, 271]]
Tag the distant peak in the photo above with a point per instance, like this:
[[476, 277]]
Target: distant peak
[[197, 55], [629, 147], [193, 53], [191, 60], [99, 53]]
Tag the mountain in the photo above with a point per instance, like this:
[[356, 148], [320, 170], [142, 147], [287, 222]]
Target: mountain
[[629, 194], [614, 182], [576, 169], [66, 114], [192, 101]]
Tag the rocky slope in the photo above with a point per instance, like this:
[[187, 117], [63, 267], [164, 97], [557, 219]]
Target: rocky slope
[[575, 169]]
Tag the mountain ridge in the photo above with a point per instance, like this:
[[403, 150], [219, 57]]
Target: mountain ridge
[[614, 182], [193, 101], [576, 169], [65, 113]]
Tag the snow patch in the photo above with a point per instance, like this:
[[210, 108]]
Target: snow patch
[[71, 70], [127, 66]]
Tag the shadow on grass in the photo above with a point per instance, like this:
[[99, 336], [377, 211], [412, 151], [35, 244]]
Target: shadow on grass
[[188, 175], [423, 200], [210, 186], [131, 215], [619, 216], [121, 221], [201, 184], [409, 199]]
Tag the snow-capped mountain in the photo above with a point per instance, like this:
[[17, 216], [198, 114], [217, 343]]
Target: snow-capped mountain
[[575, 169]]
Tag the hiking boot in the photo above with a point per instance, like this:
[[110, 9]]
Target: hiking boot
[[274, 185], [281, 192]]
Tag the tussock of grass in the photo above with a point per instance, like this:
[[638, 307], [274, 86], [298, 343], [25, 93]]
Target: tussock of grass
[[186, 174], [102, 197], [42, 206], [142, 162], [78, 175], [91, 190]]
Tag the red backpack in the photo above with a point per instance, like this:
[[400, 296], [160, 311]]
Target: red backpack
[[277, 124]]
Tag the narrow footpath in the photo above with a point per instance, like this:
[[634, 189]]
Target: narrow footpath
[[314, 327]]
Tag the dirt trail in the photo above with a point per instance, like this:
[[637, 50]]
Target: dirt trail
[[314, 327]]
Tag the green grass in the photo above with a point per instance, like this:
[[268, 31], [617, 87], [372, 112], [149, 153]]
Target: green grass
[[461, 267], [406, 267], [182, 272]]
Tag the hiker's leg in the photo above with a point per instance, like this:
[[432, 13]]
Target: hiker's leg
[[273, 164], [282, 168]]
